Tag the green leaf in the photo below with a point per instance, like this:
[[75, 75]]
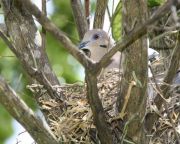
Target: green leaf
[[153, 3], [116, 22]]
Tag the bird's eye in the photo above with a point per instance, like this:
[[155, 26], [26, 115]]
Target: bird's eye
[[95, 37]]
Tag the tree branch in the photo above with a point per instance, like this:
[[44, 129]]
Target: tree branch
[[79, 17], [26, 39], [100, 14], [120, 46], [104, 132], [23, 114], [27, 44], [58, 34], [136, 33], [38, 75]]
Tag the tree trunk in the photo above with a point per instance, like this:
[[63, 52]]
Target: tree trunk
[[135, 69]]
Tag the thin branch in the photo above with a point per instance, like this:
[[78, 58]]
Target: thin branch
[[33, 72], [100, 14], [79, 17], [136, 33], [58, 34], [22, 113], [156, 38], [109, 15], [26, 39]]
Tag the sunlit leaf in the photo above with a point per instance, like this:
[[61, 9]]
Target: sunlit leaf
[[116, 22], [153, 3]]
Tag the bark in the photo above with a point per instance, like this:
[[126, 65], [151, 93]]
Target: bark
[[135, 69], [104, 132], [100, 14], [26, 39], [56, 32], [27, 45], [137, 32], [79, 17]]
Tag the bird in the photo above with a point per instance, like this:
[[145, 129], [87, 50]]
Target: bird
[[96, 43]]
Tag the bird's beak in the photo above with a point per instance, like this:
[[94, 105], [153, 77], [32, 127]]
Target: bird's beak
[[84, 47]]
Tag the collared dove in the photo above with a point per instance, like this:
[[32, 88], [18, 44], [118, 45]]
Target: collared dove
[[96, 43]]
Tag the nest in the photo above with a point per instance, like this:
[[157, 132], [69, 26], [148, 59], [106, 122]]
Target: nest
[[167, 128], [75, 124]]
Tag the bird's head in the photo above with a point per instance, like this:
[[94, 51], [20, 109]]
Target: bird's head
[[95, 44]]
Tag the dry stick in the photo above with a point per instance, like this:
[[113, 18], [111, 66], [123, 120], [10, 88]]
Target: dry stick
[[79, 17], [100, 14], [23, 114], [156, 87], [126, 99]]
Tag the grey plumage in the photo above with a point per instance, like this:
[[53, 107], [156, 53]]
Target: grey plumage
[[96, 43]]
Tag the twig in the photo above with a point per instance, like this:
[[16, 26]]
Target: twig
[[126, 99], [163, 35]]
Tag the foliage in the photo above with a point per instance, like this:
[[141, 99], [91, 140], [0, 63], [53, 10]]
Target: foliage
[[116, 22], [64, 65], [5, 125], [153, 3]]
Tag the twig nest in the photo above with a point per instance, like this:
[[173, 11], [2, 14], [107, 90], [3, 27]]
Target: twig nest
[[76, 122]]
